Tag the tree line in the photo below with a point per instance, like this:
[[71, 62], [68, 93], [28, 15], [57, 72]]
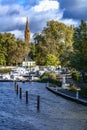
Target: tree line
[[57, 44], [61, 44], [12, 50]]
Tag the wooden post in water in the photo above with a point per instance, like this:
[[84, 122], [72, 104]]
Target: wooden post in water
[[26, 97], [15, 84], [38, 103], [16, 89], [20, 93]]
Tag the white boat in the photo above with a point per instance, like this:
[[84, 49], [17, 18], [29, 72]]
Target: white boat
[[6, 76]]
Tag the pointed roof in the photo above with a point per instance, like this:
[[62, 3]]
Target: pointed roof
[[27, 26], [27, 31], [27, 58]]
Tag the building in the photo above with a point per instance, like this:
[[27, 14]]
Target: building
[[27, 31], [27, 61]]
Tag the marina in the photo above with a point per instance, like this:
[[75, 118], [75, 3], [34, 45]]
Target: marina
[[19, 74]]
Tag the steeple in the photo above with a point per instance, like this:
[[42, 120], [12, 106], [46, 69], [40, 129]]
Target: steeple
[[27, 31]]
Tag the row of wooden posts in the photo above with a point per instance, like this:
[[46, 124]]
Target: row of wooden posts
[[19, 91]]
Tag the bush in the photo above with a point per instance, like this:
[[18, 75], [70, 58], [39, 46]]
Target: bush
[[73, 88], [50, 77], [76, 76], [47, 77], [83, 92]]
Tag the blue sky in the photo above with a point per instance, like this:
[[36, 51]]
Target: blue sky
[[13, 14]]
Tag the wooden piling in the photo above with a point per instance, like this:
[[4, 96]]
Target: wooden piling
[[20, 93], [16, 89], [15, 84], [26, 97], [38, 103]]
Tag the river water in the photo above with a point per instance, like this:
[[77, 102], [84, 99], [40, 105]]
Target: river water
[[56, 113]]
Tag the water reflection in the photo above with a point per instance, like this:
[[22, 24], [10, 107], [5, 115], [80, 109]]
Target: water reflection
[[55, 113]]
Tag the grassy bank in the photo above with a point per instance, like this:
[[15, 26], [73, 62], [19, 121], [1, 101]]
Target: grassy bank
[[6, 69]]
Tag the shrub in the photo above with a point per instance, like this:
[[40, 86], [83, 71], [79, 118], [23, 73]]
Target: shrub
[[50, 77], [73, 88], [83, 92], [76, 76]]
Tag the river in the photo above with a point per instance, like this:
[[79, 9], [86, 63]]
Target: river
[[56, 113]]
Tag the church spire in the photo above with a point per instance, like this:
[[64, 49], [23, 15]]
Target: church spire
[[27, 31]]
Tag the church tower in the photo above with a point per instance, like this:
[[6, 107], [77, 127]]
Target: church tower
[[27, 32]]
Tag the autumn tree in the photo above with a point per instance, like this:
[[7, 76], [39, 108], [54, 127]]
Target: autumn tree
[[54, 39], [12, 50], [2, 55]]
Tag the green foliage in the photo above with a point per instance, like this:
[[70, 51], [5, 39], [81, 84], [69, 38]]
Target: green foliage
[[52, 60], [50, 77], [76, 76], [11, 49], [2, 55], [56, 39], [79, 57], [2, 59], [83, 92], [32, 51], [44, 77], [73, 88]]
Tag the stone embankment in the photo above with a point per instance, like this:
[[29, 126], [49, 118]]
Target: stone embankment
[[67, 94]]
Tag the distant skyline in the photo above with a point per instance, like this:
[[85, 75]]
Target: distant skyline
[[13, 14]]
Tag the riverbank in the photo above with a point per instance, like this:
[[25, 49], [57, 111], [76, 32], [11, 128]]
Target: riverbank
[[68, 95]]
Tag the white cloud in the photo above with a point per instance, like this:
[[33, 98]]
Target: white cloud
[[45, 10], [69, 22], [3, 9], [46, 5], [38, 15], [17, 33], [20, 20], [31, 36]]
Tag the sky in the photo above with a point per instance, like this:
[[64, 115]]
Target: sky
[[13, 14]]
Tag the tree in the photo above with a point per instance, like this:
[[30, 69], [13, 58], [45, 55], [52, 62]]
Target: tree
[[2, 55], [3, 50], [10, 46], [20, 51], [52, 60], [66, 56], [54, 39], [32, 51], [12, 50], [79, 58]]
